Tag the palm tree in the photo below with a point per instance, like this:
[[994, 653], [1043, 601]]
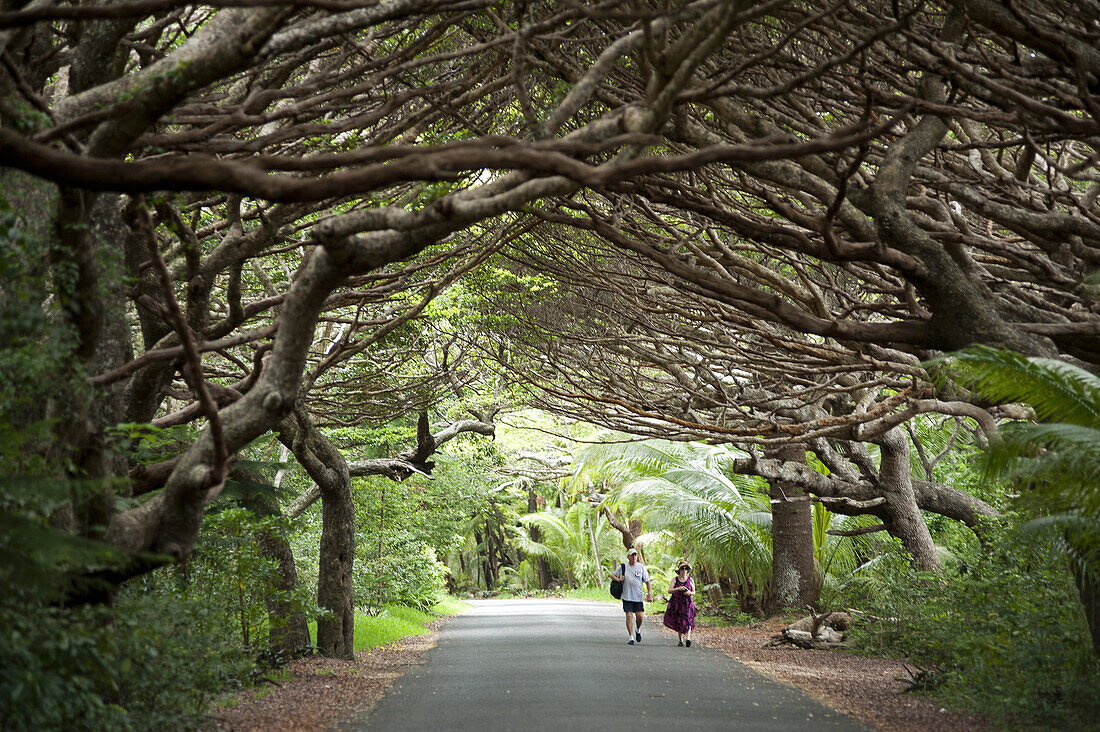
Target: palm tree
[[722, 519], [572, 541], [1055, 460]]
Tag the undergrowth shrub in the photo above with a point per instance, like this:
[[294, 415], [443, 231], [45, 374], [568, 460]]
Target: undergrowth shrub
[[1000, 631], [408, 574], [155, 659], [52, 671], [229, 575], [147, 663], [174, 658]]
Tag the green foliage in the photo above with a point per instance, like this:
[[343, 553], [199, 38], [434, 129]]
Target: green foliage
[[839, 557], [402, 530], [389, 624], [1058, 391], [89, 668], [148, 663], [230, 572], [34, 556], [146, 444], [59, 668], [721, 519], [195, 654], [448, 605], [999, 631], [566, 542], [407, 574], [34, 346], [1055, 462], [53, 671], [1057, 459]]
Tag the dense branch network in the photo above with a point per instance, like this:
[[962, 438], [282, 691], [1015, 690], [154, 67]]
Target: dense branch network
[[752, 221]]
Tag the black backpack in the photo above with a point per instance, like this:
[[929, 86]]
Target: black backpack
[[617, 585]]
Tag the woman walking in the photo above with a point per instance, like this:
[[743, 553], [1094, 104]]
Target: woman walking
[[680, 613]]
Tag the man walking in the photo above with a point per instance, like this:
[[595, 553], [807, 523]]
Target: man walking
[[634, 577]]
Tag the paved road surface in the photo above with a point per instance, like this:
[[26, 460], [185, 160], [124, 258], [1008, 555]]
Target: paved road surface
[[532, 665]]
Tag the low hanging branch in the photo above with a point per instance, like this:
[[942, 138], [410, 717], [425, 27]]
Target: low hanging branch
[[629, 530]]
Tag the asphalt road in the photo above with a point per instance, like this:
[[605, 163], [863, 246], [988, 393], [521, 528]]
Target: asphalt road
[[564, 665]]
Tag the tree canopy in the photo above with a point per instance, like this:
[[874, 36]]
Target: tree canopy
[[749, 223]]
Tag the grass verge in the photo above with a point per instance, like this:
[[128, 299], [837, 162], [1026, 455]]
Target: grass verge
[[395, 622]]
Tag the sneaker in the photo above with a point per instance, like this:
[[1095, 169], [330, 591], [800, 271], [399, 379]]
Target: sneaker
[[680, 643], [638, 636], [630, 642], [688, 642]]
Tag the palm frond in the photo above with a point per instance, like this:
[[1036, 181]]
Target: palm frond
[[1054, 389], [1058, 464], [533, 548]]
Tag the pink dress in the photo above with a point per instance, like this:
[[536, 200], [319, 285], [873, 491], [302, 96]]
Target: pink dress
[[680, 613]]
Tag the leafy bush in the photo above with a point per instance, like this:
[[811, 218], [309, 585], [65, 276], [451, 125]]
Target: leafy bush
[[153, 660], [408, 574], [229, 572], [1000, 631], [174, 657], [53, 671], [148, 663]]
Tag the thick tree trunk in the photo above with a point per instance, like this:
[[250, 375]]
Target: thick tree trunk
[[328, 468], [902, 516], [794, 577], [335, 635], [89, 238]]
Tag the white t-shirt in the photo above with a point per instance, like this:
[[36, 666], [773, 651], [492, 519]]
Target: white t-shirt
[[634, 578]]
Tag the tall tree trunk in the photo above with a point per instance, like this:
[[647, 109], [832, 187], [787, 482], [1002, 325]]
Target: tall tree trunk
[[902, 516], [335, 635], [88, 240], [486, 562], [794, 580], [536, 535], [328, 468], [88, 266]]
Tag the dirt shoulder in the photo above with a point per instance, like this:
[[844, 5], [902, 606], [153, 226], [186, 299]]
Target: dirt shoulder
[[870, 689], [325, 692]]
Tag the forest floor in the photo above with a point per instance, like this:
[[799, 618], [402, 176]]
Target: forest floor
[[322, 693]]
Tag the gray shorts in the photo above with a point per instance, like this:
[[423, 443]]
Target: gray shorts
[[630, 606]]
